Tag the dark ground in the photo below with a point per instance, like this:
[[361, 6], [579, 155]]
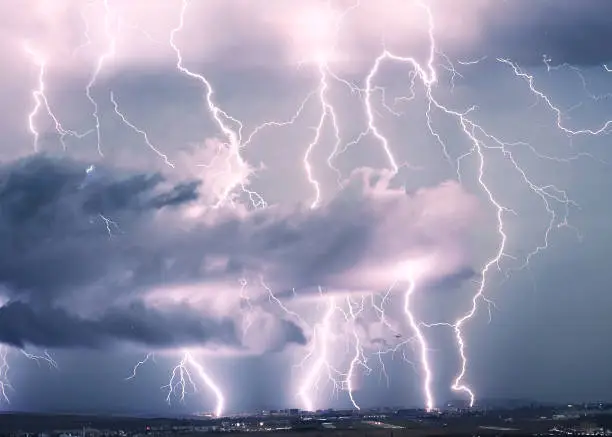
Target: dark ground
[[352, 427]]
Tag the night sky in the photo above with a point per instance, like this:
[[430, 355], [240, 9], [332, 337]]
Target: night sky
[[225, 205]]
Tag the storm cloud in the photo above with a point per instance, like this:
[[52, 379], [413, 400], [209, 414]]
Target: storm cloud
[[22, 325], [565, 31], [118, 238]]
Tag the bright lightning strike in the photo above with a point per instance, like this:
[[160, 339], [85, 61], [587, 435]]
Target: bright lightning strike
[[41, 101], [359, 358], [423, 352], [5, 383], [139, 131], [149, 356], [320, 349], [110, 225], [547, 193], [112, 47], [529, 79], [181, 378], [221, 118], [319, 361]]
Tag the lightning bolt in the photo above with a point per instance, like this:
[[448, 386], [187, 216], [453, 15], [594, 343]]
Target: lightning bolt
[[472, 130], [379, 309], [549, 67], [272, 297], [321, 340], [325, 109], [245, 301], [139, 131], [110, 224], [320, 344], [359, 358], [473, 62], [546, 193], [423, 347], [102, 59], [529, 79], [87, 41], [321, 332], [428, 76], [181, 378], [318, 353], [221, 118], [149, 356], [5, 382], [38, 358], [41, 101]]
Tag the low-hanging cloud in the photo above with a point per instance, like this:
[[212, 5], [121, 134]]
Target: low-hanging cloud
[[50, 327], [69, 271]]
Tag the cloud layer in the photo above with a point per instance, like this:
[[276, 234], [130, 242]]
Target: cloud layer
[[70, 35], [108, 256]]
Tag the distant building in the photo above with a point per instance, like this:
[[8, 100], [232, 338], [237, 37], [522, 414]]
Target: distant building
[[411, 413], [588, 428]]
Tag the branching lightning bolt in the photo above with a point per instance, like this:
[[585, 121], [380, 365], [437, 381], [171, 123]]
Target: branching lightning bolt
[[423, 347], [41, 101], [149, 356], [233, 137], [359, 358], [529, 79], [139, 131], [181, 378], [112, 47], [5, 383], [320, 344], [110, 224], [547, 193]]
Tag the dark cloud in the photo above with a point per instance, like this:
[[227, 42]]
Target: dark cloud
[[62, 254], [567, 31], [51, 216], [50, 222], [51, 225], [22, 325]]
